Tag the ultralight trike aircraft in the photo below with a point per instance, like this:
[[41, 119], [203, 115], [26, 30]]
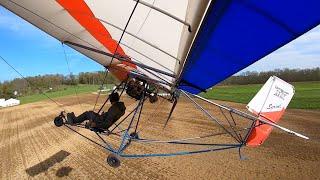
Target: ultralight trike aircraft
[[178, 48]]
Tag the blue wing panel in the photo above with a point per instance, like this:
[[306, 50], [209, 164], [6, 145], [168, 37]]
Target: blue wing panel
[[237, 33]]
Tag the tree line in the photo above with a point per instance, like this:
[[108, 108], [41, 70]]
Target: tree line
[[289, 75], [45, 83]]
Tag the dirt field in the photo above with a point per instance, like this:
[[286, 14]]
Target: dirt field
[[32, 147]]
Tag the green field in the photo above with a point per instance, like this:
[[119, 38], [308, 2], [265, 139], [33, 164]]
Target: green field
[[67, 90], [307, 94]]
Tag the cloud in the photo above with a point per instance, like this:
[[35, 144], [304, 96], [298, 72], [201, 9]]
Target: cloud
[[303, 52]]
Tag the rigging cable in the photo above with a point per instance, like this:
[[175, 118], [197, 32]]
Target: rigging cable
[[118, 44], [153, 114], [31, 84], [68, 65], [134, 40], [48, 21]]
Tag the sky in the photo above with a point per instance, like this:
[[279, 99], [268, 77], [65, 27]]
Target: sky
[[33, 52]]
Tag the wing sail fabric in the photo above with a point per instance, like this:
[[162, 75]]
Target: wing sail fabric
[[80, 11], [237, 33], [152, 38]]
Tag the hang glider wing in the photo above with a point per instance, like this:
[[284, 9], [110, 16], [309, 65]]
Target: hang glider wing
[[226, 35], [237, 33], [157, 34]]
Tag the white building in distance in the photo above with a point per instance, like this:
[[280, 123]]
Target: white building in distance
[[9, 102]]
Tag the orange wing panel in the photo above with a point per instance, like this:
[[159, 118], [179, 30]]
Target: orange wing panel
[[80, 11]]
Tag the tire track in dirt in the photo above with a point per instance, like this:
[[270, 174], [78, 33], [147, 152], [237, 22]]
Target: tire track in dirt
[[29, 137]]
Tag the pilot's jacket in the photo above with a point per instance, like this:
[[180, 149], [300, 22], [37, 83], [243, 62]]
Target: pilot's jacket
[[106, 119], [114, 113]]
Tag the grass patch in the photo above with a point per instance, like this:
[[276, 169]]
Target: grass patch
[[307, 95], [67, 90]]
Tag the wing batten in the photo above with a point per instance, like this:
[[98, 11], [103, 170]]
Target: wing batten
[[140, 39], [167, 14], [79, 8], [152, 27], [239, 38], [46, 25]]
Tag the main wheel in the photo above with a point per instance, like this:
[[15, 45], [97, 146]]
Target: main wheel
[[113, 161], [58, 121], [153, 98]]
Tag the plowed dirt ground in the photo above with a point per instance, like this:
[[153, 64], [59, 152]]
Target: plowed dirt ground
[[32, 147]]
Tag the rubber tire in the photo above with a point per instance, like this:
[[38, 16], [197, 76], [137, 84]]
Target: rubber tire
[[134, 135], [113, 161], [58, 121], [153, 99]]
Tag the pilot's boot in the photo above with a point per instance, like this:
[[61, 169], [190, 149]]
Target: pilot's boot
[[71, 118]]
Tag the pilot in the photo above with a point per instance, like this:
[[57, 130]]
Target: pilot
[[103, 120]]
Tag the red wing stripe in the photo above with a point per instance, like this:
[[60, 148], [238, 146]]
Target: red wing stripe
[[80, 11]]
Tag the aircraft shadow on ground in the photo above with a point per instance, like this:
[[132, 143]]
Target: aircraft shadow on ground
[[64, 171], [49, 162]]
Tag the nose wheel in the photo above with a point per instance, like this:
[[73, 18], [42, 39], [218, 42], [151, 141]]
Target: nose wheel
[[58, 121], [113, 161]]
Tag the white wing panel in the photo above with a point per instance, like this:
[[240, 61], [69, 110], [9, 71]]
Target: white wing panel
[[160, 37], [150, 25]]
